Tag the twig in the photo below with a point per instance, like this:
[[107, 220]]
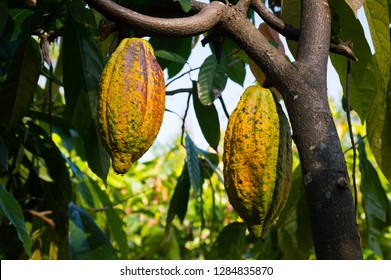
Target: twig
[[216, 38], [351, 134], [43, 216], [197, 24], [224, 107], [355, 143], [342, 48], [50, 107], [292, 33], [184, 118], [288, 31], [180, 76], [179, 90]]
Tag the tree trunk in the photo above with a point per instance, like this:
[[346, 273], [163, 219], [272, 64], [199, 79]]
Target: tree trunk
[[303, 85], [325, 175]]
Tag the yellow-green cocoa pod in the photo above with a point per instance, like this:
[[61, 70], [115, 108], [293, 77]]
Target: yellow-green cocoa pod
[[258, 159], [131, 102]]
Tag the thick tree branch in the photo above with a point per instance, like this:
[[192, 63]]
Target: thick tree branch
[[292, 33], [288, 31], [314, 40], [271, 61], [243, 6], [329, 199], [208, 17], [216, 14], [197, 5]]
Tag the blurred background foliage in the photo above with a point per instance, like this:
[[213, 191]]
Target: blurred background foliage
[[59, 199]]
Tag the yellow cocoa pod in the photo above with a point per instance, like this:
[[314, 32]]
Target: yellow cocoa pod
[[131, 102], [258, 159]]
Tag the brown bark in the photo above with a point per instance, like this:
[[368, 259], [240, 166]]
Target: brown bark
[[304, 90]]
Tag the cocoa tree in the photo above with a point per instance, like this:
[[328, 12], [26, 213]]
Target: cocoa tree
[[42, 184], [302, 84]]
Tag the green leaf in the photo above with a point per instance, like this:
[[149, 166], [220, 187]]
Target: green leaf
[[85, 194], [180, 198], [208, 119], [237, 71], [181, 47], [193, 165], [266, 248], [293, 226], [375, 199], [379, 132], [212, 160], [379, 118], [389, 8], [46, 72], [212, 80], [114, 222], [59, 118], [152, 240], [230, 244], [185, 5], [12, 210], [170, 245], [57, 77], [23, 23], [94, 197], [363, 85], [39, 166], [171, 56], [18, 89], [82, 62], [378, 22], [86, 240], [55, 163], [290, 13]]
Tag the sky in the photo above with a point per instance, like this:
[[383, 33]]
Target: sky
[[172, 123]]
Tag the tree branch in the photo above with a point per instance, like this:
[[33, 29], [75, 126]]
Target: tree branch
[[314, 39], [183, 74], [288, 31], [230, 18], [292, 33], [43, 216], [342, 48], [179, 90], [224, 107], [243, 6], [197, 5], [204, 20], [272, 62]]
